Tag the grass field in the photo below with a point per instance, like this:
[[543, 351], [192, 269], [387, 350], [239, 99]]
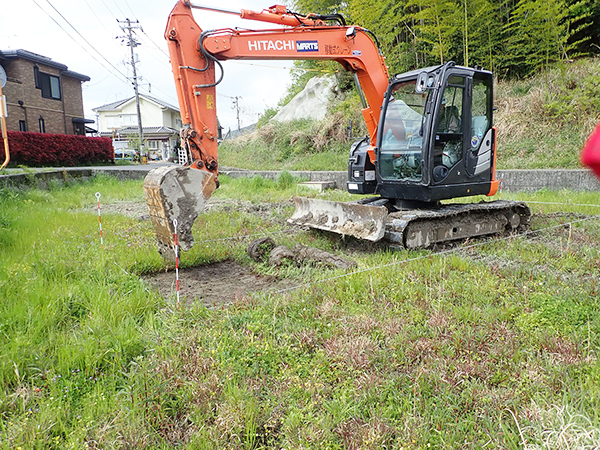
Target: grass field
[[486, 344]]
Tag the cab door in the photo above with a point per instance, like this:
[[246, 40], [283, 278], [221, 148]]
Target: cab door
[[449, 131]]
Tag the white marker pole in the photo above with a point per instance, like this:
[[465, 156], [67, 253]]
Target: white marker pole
[[501, 186], [176, 261], [100, 219]]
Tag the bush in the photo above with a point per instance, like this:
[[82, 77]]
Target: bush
[[43, 149]]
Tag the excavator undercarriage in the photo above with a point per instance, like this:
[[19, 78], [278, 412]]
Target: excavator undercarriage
[[370, 219]]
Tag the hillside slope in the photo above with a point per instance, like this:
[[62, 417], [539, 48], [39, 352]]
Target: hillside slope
[[542, 122]]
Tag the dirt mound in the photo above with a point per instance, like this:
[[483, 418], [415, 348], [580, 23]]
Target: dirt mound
[[214, 284]]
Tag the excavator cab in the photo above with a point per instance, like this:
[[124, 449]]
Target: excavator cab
[[435, 139]]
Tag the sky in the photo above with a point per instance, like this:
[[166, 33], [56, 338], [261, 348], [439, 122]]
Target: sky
[[86, 36]]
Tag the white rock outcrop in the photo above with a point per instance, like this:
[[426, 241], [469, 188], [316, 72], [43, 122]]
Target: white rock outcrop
[[311, 102]]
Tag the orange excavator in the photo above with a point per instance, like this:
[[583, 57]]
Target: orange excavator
[[430, 134]]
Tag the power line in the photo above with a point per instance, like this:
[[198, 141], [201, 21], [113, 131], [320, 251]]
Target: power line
[[132, 13], [96, 15], [132, 43], [109, 10], [119, 8], [156, 45], [82, 37]]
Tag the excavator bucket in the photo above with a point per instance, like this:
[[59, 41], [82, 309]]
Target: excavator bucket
[[353, 219], [176, 193]]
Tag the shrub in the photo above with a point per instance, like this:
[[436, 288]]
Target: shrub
[[43, 149]]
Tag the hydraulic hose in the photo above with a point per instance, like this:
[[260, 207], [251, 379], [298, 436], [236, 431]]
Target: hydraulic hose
[[210, 56]]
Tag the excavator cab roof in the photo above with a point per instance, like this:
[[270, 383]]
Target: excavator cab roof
[[415, 73]]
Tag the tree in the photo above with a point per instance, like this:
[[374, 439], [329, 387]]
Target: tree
[[584, 27], [535, 36], [436, 25]]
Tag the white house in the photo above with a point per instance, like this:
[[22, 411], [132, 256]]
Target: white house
[[161, 123]]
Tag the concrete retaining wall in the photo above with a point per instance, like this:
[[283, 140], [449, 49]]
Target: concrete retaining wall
[[43, 178], [514, 180], [339, 178], [551, 179]]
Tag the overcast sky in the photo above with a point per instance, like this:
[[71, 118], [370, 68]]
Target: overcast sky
[[59, 30]]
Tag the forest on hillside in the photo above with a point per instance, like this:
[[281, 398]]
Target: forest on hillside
[[513, 38]]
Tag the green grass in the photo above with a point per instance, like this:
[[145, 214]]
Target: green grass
[[493, 345], [286, 146], [542, 123]]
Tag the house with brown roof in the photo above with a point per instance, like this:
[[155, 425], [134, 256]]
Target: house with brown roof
[[42, 95]]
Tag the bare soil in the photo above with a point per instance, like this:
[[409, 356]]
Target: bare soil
[[139, 209], [216, 284]]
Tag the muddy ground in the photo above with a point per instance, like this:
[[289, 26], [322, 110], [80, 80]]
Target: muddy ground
[[220, 284], [217, 284]]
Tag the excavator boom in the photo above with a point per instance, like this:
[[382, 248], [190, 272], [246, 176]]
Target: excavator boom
[[196, 57]]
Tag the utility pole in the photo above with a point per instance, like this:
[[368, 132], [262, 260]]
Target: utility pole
[[236, 106], [132, 43]]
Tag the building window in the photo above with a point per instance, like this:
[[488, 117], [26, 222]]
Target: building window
[[42, 125], [22, 125], [36, 77], [49, 84]]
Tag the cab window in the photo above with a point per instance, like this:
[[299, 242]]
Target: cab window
[[401, 144]]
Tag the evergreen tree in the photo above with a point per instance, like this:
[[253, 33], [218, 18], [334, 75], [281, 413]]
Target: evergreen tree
[[584, 27], [509, 37], [484, 34]]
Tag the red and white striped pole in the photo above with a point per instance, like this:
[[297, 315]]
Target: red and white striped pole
[[501, 186], [100, 219], [176, 261]]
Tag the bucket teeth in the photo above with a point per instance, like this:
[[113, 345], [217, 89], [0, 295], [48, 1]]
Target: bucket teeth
[[176, 193]]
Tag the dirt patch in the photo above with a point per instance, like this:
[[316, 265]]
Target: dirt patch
[[134, 209], [215, 284], [139, 209]]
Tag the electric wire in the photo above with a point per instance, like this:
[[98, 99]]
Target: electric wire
[[109, 10], [156, 45], [119, 8], [79, 43], [130, 9], [440, 253], [563, 204], [96, 15]]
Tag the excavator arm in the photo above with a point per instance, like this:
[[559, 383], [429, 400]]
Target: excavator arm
[[196, 55]]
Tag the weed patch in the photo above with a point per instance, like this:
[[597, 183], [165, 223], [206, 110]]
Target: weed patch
[[494, 345]]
